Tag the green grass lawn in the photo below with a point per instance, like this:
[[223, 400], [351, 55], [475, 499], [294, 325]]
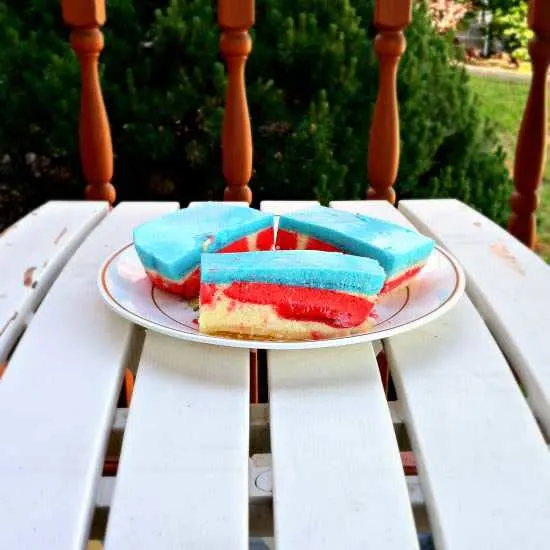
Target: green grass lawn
[[503, 102]]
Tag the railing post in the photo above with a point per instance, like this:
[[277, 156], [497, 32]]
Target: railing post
[[235, 17], [531, 146], [390, 18], [85, 17]]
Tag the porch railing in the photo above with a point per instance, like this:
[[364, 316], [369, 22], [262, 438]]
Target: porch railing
[[531, 146], [86, 17], [235, 17]]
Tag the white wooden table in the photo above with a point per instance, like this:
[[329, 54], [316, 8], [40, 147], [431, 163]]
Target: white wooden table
[[319, 467]]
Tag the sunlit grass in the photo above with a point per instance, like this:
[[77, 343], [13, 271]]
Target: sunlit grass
[[503, 102]]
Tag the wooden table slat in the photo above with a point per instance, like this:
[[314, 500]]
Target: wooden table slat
[[508, 283], [285, 207], [232, 203], [32, 253], [483, 462], [337, 476], [183, 474], [58, 396]]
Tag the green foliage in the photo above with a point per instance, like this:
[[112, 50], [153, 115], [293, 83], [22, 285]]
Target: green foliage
[[503, 5], [510, 25], [312, 81]]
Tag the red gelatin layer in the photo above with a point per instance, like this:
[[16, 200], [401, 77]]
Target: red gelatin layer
[[264, 240], [394, 283], [188, 288], [238, 246], [315, 244], [335, 309], [286, 240]]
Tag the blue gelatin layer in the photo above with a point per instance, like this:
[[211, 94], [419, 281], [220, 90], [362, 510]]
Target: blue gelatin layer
[[306, 268]]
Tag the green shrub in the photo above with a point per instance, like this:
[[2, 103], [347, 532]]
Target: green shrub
[[510, 26], [312, 80]]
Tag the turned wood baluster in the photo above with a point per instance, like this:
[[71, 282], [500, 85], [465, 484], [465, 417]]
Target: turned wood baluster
[[531, 146], [235, 17], [85, 17], [390, 18]]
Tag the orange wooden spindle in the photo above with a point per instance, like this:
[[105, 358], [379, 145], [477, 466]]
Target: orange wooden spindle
[[531, 146], [85, 17], [390, 18], [235, 17], [254, 388]]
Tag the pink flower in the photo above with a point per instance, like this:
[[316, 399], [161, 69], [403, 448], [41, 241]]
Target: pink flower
[[447, 14]]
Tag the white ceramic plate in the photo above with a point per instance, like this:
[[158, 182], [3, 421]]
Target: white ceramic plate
[[127, 290]]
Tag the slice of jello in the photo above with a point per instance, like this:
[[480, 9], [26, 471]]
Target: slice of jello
[[288, 295], [170, 246], [402, 252]]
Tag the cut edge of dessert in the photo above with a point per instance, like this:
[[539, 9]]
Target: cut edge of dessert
[[288, 295]]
